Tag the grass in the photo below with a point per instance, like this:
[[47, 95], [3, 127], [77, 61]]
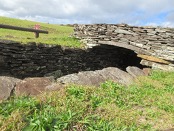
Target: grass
[[148, 104], [58, 34]]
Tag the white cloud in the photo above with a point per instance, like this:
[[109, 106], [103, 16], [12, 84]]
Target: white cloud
[[138, 12], [170, 16], [167, 24]]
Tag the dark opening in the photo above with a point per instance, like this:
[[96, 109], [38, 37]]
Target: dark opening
[[72, 61]]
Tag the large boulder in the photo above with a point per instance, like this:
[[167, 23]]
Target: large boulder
[[54, 87], [91, 78], [32, 86], [94, 78], [117, 75], [135, 71], [7, 85]]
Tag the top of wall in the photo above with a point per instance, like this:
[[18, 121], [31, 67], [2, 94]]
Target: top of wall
[[153, 41], [126, 25]]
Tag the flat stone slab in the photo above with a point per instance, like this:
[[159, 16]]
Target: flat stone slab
[[117, 75], [90, 78], [32, 86], [135, 71], [54, 87], [94, 78]]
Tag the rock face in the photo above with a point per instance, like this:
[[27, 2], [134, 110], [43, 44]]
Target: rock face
[[153, 43], [135, 71], [37, 60], [89, 78], [37, 85], [32, 86], [54, 87], [7, 84], [155, 65], [147, 71], [94, 78]]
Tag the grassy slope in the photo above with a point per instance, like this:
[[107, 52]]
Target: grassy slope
[[57, 34], [146, 105]]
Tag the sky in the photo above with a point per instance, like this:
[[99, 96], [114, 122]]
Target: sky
[[133, 12]]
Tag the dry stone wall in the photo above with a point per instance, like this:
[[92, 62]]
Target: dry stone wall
[[33, 59], [151, 41]]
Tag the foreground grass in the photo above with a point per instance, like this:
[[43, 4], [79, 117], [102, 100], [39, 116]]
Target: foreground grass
[[57, 34], [146, 105]]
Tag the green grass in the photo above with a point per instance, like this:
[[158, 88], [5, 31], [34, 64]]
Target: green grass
[[148, 104], [59, 35]]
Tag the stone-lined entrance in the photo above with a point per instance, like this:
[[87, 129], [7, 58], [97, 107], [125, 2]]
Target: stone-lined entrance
[[33, 60]]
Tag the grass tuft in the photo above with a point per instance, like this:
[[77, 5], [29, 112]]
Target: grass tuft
[[148, 104]]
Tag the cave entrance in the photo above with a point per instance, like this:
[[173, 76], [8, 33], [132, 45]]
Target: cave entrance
[[111, 56], [69, 61], [97, 58]]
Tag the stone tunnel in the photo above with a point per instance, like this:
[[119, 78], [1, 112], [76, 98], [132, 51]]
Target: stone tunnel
[[154, 45]]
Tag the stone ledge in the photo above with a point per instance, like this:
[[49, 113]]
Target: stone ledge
[[155, 65]]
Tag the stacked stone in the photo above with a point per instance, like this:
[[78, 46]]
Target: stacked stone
[[33, 59], [153, 41], [20, 60]]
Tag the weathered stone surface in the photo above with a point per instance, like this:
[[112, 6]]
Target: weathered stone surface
[[137, 49], [54, 87], [135, 71], [89, 78], [55, 74], [157, 65], [94, 78], [153, 41], [117, 75], [147, 71], [23, 61], [1, 60], [7, 84], [153, 59], [124, 32], [32, 86]]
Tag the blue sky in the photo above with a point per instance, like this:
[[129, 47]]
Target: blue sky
[[134, 12]]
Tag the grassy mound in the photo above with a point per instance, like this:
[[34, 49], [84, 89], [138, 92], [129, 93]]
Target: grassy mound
[[57, 34], [148, 104]]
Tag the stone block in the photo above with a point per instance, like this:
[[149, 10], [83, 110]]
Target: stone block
[[32, 86], [135, 71], [7, 85]]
